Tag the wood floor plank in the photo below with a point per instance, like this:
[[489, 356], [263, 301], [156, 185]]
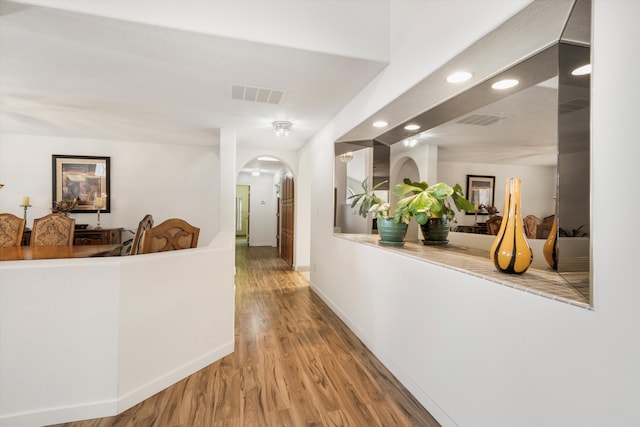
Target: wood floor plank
[[281, 418], [276, 390], [252, 404], [226, 390], [337, 418], [295, 364]]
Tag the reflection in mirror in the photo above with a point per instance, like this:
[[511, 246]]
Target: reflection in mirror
[[573, 166], [539, 131], [366, 161]]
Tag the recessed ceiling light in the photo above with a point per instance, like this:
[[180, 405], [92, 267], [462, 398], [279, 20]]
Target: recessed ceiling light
[[459, 77], [505, 84], [411, 142], [581, 71], [380, 124], [268, 159], [412, 127]]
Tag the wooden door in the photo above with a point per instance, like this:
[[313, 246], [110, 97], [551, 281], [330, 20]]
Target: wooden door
[[278, 225], [286, 220]]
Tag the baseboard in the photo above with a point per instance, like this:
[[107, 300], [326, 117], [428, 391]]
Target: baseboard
[[114, 407], [60, 415], [255, 244], [136, 396], [405, 379]]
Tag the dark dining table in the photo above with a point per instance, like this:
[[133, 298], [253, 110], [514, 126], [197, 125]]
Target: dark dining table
[[16, 253]]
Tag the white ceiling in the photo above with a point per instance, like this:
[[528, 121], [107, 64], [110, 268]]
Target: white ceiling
[[525, 134], [82, 70], [126, 71]]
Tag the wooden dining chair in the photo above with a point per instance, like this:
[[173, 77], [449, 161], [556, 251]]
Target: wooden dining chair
[[171, 235], [543, 230], [11, 229], [53, 230], [531, 223], [493, 225], [145, 224]]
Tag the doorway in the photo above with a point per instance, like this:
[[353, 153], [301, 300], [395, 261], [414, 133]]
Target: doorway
[[265, 206], [243, 195]]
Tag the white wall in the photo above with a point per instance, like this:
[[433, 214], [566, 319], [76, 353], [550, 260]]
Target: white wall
[[91, 337], [303, 216], [538, 186], [473, 352], [160, 179], [359, 168], [349, 219], [262, 209], [176, 316], [58, 341], [88, 338], [425, 157]]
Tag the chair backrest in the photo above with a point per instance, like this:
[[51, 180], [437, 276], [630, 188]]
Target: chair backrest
[[53, 230], [172, 234], [493, 225], [543, 230], [531, 223], [145, 224], [11, 229]]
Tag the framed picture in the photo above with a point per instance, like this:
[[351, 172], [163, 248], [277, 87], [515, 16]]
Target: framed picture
[[480, 192], [84, 179]]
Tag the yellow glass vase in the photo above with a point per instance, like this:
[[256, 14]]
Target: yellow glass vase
[[510, 251]]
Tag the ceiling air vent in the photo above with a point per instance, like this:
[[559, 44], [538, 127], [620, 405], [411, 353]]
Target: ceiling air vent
[[573, 105], [256, 94], [480, 119]]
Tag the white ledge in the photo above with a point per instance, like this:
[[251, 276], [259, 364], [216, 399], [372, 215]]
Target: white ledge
[[539, 279]]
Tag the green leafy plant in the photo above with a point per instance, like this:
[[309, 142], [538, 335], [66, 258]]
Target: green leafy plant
[[126, 244], [369, 201], [575, 232], [422, 201]]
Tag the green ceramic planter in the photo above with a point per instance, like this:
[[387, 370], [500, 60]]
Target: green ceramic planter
[[391, 233], [436, 231]]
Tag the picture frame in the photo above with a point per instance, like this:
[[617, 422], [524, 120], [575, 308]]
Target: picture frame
[[84, 178], [481, 192]]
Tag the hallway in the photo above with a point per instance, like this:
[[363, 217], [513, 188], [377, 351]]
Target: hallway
[[295, 364]]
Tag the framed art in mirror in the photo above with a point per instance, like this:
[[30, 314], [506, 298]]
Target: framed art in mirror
[[480, 192], [83, 179]]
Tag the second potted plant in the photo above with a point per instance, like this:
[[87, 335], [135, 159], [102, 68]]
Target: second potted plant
[[390, 228], [430, 206]]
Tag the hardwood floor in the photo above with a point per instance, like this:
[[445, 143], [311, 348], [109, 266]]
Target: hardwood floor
[[295, 364]]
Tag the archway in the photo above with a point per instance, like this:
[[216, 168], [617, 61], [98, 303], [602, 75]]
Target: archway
[[407, 168], [270, 205]]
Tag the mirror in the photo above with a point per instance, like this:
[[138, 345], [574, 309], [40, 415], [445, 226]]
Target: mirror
[[542, 126], [366, 159]]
